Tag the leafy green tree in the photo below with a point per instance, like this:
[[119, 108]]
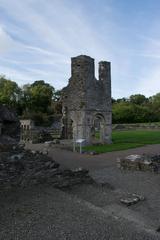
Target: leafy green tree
[[138, 99], [125, 112], [38, 96], [122, 112], [154, 104], [10, 93]]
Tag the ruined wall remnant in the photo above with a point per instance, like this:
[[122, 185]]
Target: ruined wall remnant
[[140, 163], [9, 122], [87, 102], [9, 127], [36, 134]]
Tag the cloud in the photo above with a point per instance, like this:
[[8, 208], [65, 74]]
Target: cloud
[[47, 37], [15, 74], [149, 59], [6, 43], [38, 38]]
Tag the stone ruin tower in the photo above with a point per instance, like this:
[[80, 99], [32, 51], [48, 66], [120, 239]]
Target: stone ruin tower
[[86, 102]]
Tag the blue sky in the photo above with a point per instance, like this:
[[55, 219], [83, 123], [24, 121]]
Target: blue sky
[[38, 38]]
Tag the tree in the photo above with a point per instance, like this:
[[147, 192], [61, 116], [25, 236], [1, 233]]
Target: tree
[[138, 99], [123, 112], [133, 110], [38, 96], [10, 93], [154, 103]]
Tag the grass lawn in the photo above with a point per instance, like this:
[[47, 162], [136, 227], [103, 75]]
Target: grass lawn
[[123, 140]]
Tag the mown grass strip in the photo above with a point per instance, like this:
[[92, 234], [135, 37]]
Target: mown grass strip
[[123, 140]]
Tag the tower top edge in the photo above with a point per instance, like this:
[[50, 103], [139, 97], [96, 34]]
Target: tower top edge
[[82, 57], [104, 62]]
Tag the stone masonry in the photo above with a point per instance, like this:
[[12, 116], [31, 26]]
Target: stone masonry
[[86, 101], [36, 134], [9, 127]]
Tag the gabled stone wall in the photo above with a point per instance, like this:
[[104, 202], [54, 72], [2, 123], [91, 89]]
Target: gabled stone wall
[[86, 99]]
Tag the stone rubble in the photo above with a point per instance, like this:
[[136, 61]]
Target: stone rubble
[[19, 167], [132, 199], [140, 163]]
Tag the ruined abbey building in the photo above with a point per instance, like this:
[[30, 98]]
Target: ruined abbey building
[[86, 101]]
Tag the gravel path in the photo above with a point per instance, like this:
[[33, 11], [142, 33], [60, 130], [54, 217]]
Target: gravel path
[[72, 160], [44, 213]]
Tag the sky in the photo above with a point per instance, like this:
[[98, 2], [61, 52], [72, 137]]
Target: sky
[[39, 37]]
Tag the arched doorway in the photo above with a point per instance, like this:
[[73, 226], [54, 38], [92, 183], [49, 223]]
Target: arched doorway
[[97, 129]]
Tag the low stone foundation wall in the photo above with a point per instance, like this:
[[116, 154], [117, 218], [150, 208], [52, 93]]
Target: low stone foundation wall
[[136, 126], [19, 167], [140, 163]]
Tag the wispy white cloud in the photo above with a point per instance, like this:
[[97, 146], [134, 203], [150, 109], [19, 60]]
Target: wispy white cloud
[[38, 38], [50, 39], [6, 43]]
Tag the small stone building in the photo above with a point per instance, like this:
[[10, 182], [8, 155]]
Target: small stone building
[[86, 101]]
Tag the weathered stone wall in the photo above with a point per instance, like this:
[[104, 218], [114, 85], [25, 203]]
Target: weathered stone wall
[[85, 99], [136, 126], [140, 163], [27, 124], [37, 134], [9, 127]]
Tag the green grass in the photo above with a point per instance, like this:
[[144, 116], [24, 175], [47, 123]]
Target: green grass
[[123, 140]]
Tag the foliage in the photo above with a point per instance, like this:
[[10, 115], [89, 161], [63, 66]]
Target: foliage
[[40, 118], [38, 96], [10, 93], [122, 112], [138, 99], [136, 109]]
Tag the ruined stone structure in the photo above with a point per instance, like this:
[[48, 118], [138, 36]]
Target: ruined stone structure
[[9, 128], [9, 123], [140, 163], [27, 124], [86, 101], [36, 134]]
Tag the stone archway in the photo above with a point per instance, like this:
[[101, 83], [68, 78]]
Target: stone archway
[[98, 128]]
